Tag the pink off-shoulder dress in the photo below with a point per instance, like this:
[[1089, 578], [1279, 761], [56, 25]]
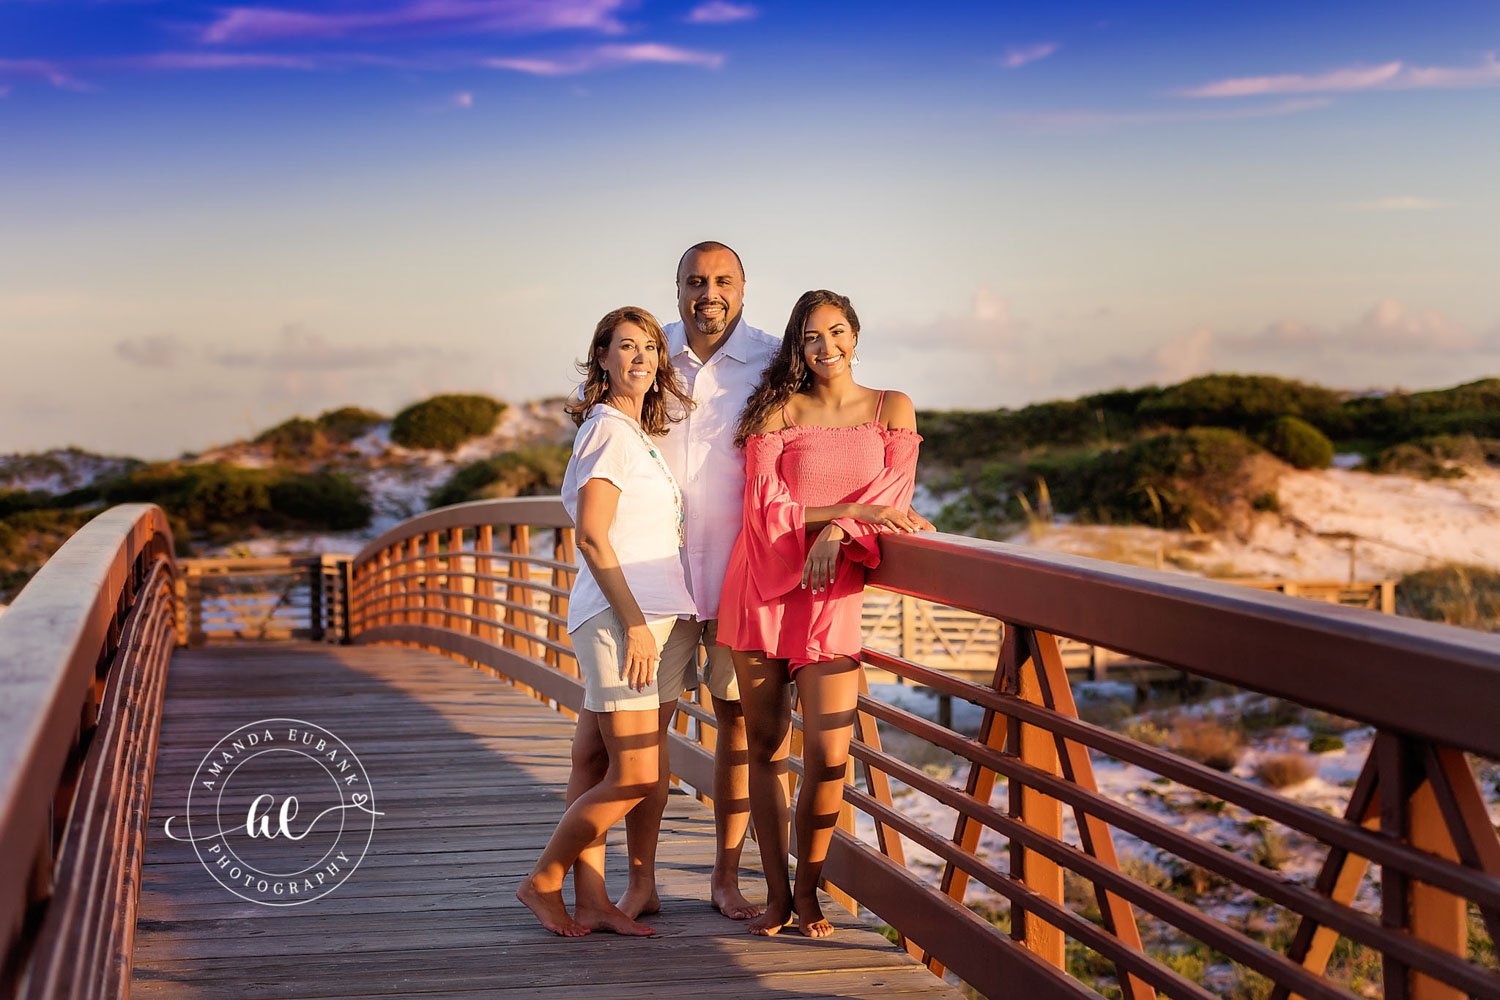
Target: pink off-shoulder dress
[[763, 606]]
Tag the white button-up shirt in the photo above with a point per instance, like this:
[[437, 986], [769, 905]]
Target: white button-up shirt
[[700, 451]]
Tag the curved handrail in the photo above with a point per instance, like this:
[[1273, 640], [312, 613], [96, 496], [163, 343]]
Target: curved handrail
[[1255, 639], [64, 667], [1431, 693]]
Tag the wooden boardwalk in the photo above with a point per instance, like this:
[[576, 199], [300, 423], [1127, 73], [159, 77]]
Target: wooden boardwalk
[[469, 774]]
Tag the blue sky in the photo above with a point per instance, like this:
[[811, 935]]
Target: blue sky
[[213, 217]]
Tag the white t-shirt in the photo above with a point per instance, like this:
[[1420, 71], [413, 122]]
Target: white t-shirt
[[644, 532], [700, 450]]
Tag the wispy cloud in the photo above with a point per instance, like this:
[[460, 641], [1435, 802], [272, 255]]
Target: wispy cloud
[[41, 69], [462, 99], [1395, 75], [1108, 118], [160, 350], [1389, 327], [252, 25], [609, 57], [301, 350], [215, 60], [1021, 55], [720, 12], [1404, 203]]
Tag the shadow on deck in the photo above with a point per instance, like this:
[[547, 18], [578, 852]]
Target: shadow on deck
[[469, 773]]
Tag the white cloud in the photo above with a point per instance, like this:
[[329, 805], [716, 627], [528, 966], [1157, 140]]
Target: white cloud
[[250, 25], [160, 350], [1109, 118], [299, 350], [53, 73], [609, 57], [1021, 55], [1395, 75], [720, 12]]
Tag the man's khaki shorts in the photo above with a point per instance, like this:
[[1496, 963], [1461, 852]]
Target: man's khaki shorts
[[680, 668]]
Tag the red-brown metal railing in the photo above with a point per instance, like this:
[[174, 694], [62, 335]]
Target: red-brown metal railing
[[1430, 693], [83, 657]]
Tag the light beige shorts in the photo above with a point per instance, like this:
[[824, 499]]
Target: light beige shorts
[[682, 668], [599, 646]]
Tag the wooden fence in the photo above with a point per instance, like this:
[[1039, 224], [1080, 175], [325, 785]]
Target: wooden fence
[[273, 597], [461, 581]]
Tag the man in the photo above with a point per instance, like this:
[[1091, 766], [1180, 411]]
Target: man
[[719, 359]]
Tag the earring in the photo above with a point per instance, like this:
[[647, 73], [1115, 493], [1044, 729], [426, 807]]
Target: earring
[[854, 358]]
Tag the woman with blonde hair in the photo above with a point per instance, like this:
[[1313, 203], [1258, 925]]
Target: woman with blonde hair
[[628, 514], [829, 466]]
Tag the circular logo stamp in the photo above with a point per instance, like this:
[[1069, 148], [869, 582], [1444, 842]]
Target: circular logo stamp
[[280, 812]]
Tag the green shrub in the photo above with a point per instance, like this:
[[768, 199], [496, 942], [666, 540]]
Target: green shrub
[[1299, 443], [347, 423], [525, 472], [222, 501], [292, 438], [445, 422], [1454, 594], [1240, 401], [1325, 743], [1181, 479], [28, 538], [15, 501], [302, 438], [1440, 456], [1184, 479], [324, 498], [1473, 408]]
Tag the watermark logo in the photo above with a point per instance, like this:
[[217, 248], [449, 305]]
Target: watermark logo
[[280, 812]]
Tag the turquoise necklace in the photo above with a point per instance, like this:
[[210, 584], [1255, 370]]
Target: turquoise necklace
[[671, 479]]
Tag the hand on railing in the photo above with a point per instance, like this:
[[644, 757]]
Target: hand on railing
[[891, 518]]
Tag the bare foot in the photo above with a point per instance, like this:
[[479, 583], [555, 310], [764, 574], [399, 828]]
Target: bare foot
[[728, 899], [810, 920], [770, 923], [549, 909], [609, 918], [640, 901]]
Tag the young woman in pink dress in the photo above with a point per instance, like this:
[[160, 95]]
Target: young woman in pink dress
[[829, 466]]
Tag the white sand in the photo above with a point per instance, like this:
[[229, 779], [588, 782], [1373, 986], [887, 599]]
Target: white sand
[[1399, 524]]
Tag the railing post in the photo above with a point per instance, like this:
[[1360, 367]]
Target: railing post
[[315, 598], [345, 570], [908, 626], [1043, 813], [454, 580], [484, 586]]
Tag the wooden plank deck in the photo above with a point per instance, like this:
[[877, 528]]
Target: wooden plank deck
[[469, 774]]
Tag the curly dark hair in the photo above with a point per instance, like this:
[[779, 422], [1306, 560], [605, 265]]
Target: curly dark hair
[[656, 416], [788, 372]]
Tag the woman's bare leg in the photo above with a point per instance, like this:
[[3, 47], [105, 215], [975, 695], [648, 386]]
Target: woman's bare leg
[[829, 693], [590, 764], [768, 718], [643, 829], [631, 741]]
